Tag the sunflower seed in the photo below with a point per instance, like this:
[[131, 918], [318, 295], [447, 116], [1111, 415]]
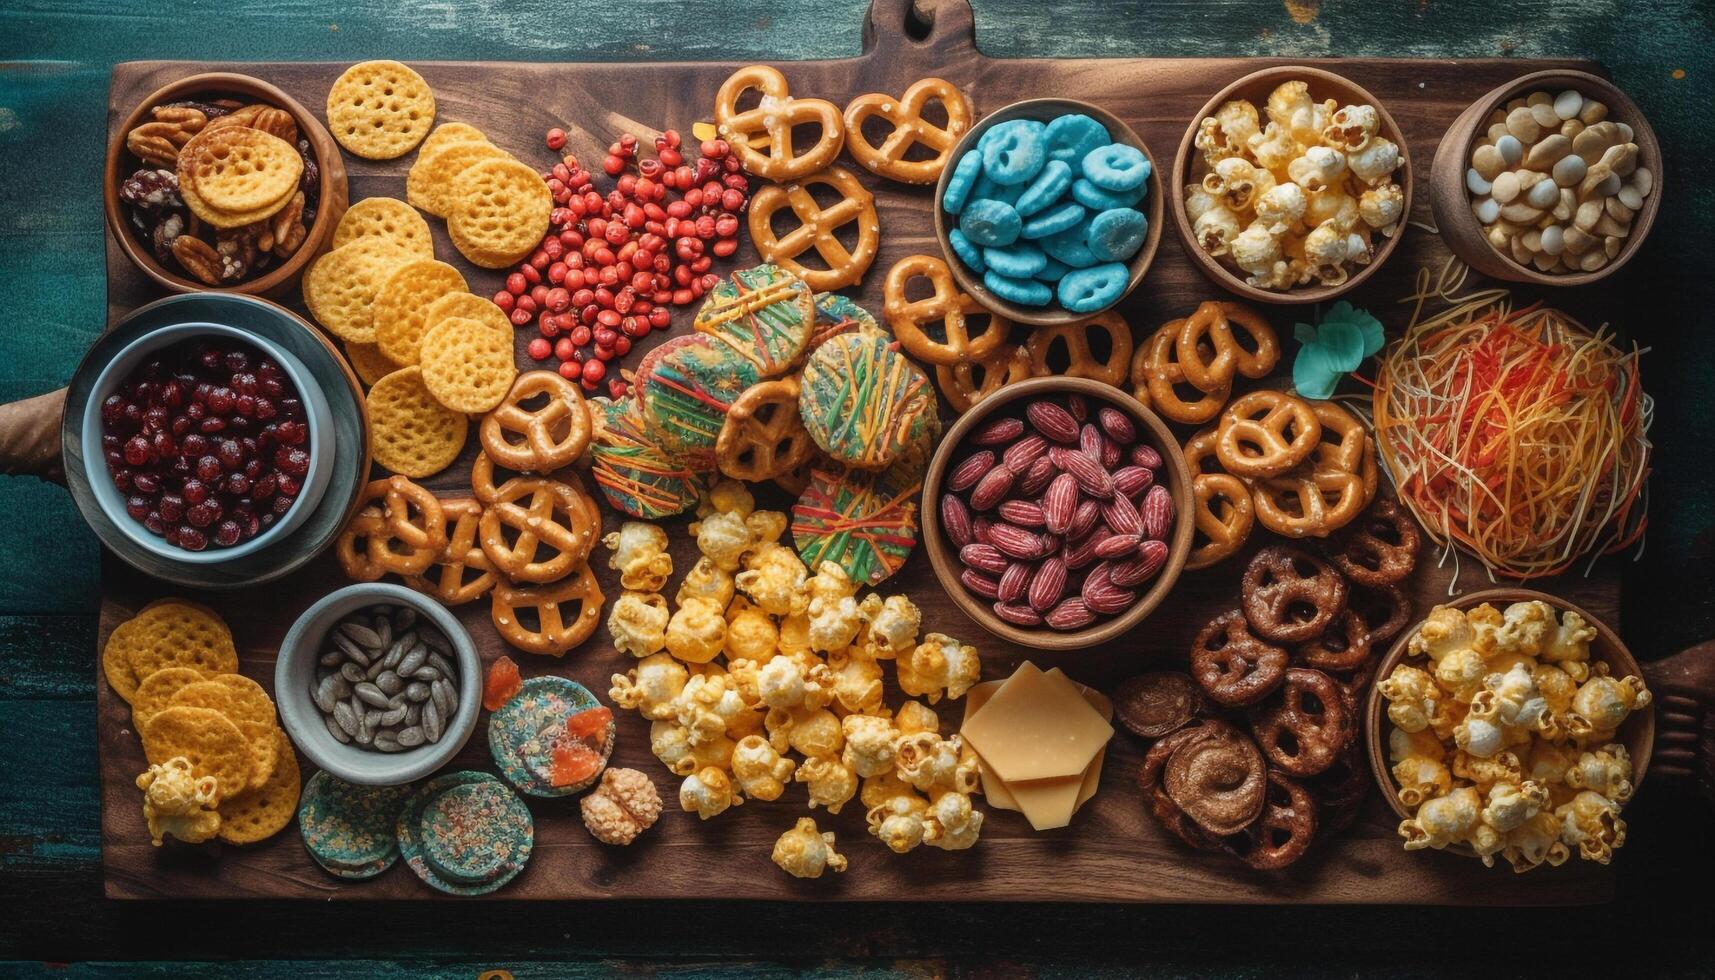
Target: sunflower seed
[[375, 669], [351, 672], [410, 736], [429, 674], [370, 694], [361, 633], [324, 695], [387, 743], [365, 734], [437, 642], [372, 718], [446, 699], [418, 691], [396, 652], [383, 630], [389, 683], [413, 714], [431, 721], [345, 720], [443, 665], [393, 717], [337, 732], [351, 650], [413, 660], [333, 658]]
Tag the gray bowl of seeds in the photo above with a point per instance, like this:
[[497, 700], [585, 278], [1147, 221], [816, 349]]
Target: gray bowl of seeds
[[378, 684]]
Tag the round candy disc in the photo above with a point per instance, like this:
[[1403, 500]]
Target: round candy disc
[[838, 314], [1061, 217], [1014, 151], [1116, 235], [765, 314], [1116, 167], [989, 222], [684, 388], [864, 522], [485, 829], [1068, 246], [632, 472], [1054, 181], [863, 402], [1088, 290], [1024, 292], [1070, 138], [968, 251], [1020, 260], [349, 829], [536, 742], [959, 184]]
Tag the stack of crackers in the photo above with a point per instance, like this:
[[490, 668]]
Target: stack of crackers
[[235, 175], [175, 664]]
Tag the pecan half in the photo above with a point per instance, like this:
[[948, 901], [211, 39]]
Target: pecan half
[[276, 122], [286, 229], [198, 258], [153, 143], [188, 119]]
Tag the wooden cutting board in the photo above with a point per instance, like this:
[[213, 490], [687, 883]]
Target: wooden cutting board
[[1113, 852]]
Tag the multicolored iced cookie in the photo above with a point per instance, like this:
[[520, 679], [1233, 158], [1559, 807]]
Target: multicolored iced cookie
[[765, 314], [465, 833], [684, 388], [553, 738], [837, 315], [350, 829], [864, 522], [863, 402], [631, 471]]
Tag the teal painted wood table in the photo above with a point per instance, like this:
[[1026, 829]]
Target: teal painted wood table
[[56, 57]]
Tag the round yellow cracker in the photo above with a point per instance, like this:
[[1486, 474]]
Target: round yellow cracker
[[176, 633], [429, 183], [402, 301], [453, 132], [236, 169], [340, 287], [470, 306], [212, 743], [116, 664], [499, 212], [370, 364], [260, 813], [156, 692], [467, 365], [413, 434], [388, 219], [379, 110], [217, 218]]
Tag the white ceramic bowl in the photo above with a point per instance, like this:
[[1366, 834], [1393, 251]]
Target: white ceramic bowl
[[295, 672], [316, 412]]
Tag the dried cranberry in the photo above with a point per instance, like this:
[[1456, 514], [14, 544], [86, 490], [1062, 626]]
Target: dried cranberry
[[146, 483], [192, 539], [138, 451], [220, 400], [195, 444], [292, 462], [172, 506], [208, 468], [227, 534], [138, 506], [194, 491]]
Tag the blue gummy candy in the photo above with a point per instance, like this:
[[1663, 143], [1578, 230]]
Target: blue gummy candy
[[1097, 199], [1089, 290], [1116, 167], [1024, 292], [1071, 137], [987, 188], [960, 182], [1116, 235], [989, 222], [1020, 260], [1054, 220], [966, 250], [1069, 247], [1054, 180], [1015, 152], [1054, 271]]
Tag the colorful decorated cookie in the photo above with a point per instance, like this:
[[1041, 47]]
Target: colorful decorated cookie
[[349, 829], [465, 833], [553, 738], [863, 402], [765, 314], [684, 388], [632, 472], [864, 522], [837, 315]]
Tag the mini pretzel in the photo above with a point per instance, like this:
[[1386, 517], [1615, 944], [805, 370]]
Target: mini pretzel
[[541, 438], [1284, 831], [1371, 618], [1380, 549], [1156, 375], [1265, 433], [1290, 596], [816, 228], [1223, 516], [555, 516], [566, 613], [1210, 329], [462, 556], [763, 436], [1082, 362], [948, 305], [909, 129], [1329, 490], [402, 529], [776, 117], [483, 471], [1233, 665], [1305, 730], [968, 383]]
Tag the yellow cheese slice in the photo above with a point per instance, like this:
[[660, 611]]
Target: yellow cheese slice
[[1047, 803], [1037, 726]]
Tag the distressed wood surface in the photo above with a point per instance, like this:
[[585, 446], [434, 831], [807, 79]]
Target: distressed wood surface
[[53, 88]]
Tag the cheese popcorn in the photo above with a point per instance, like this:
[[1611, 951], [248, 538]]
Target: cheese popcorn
[[727, 497], [786, 683], [708, 706], [724, 539], [176, 804], [951, 823], [803, 853], [1592, 824], [1607, 771], [638, 623], [651, 687], [761, 771], [774, 578], [939, 665], [869, 744], [830, 783], [855, 680], [915, 716], [1443, 820], [928, 761], [815, 733], [1603, 703], [1534, 843], [708, 792], [707, 580], [750, 634], [892, 625], [697, 632], [895, 813], [640, 555], [1511, 804], [1411, 695]]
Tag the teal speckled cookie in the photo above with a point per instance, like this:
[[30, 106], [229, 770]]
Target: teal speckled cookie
[[765, 314], [349, 829], [863, 402], [684, 388], [470, 842], [522, 735]]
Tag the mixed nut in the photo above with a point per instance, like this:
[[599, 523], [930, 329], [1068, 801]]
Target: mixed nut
[[155, 202], [386, 681], [1057, 514]]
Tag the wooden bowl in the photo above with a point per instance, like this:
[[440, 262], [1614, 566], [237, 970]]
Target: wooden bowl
[[945, 557], [1637, 734], [1451, 201], [278, 280], [1045, 110], [1255, 88]]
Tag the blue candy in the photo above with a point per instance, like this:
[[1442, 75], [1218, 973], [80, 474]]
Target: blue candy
[[966, 250], [995, 192], [1020, 260], [1070, 138], [960, 182], [1015, 152], [1024, 292], [1088, 290], [1116, 167], [1054, 271], [1116, 235], [1069, 247], [1054, 220], [1055, 180], [1097, 199], [988, 222]]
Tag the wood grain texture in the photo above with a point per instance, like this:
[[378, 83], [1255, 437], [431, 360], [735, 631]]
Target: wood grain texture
[[1113, 851]]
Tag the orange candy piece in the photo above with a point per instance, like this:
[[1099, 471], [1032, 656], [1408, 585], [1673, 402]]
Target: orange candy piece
[[502, 685], [573, 760]]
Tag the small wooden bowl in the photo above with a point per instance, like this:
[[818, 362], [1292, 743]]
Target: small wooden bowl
[[945, 557], [1255, 88], [1637, 734], [278, 280], [1045, 110], [1451, 201]]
